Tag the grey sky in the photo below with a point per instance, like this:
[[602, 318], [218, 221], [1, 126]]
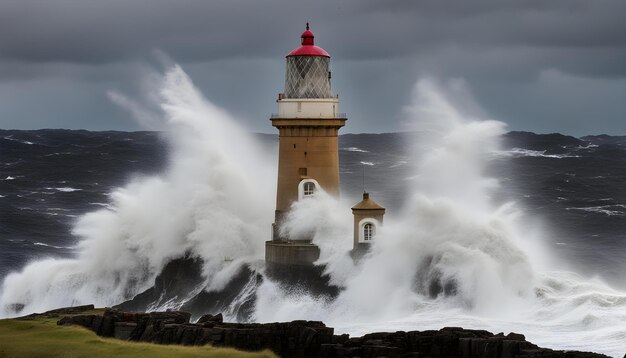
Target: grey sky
[[543, 66]]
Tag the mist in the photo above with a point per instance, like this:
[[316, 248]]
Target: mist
[[452, 255]]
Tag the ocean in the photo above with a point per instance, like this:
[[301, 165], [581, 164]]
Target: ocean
[[484, 228], [576, 187]]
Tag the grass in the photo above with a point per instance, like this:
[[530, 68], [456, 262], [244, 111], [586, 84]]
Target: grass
[[41, 337]]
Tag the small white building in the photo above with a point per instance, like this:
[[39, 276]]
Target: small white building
[[368, 218]]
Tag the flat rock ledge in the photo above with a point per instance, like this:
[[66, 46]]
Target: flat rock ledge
[[309, 338]]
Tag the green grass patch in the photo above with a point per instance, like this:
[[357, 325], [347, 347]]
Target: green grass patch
[[41, 337]]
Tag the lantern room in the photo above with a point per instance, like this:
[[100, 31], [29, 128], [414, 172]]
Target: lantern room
[[308, 70]]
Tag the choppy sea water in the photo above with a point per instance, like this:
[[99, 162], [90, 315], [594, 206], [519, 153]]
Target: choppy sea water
[[574, 188]]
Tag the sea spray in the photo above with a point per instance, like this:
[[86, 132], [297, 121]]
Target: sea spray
[[453, 256], [328, 223], [214, 202], [469, 246], [447, 241], [478, 263]]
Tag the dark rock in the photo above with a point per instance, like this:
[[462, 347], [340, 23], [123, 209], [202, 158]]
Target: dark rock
[[61, 311], [218, 318], [72, 310], [123, 330], [218, 301], [85, 321], [342, 339], [184, 275], [429, 280], [516, 336], [107, 329], [179, 277], [309, 279], [181, 282], [311, 338]]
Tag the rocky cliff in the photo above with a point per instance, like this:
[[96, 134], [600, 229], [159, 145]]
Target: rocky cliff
[[309, 338]]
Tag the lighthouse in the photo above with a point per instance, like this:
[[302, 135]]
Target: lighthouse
[[308, 122]]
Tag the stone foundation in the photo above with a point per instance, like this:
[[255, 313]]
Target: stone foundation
[[291, 253], [312, 339]]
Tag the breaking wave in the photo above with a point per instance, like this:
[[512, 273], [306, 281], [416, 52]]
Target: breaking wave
[[452, 256], [207, 204], [521, 152], [355, 149], [618, 209]]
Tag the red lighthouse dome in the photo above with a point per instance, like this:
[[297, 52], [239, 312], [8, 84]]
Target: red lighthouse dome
[[308, 47]]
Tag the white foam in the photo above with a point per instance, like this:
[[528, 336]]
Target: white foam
[[355, 149], [105, 205], [521, 152], [207, 203], [603, 209], [588, 146], [399, 164], [449, 232], [64, 189], [18, 140], [52, 246], [55, 154]]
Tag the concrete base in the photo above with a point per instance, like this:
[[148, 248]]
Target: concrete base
[[359, 250], [303, 279], [291, 253], [290, 264]]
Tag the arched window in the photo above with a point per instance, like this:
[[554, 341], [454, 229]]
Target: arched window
[[367, 228], [309, 188], [368, 232]]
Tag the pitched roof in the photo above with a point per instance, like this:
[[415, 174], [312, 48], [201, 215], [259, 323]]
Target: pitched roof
[[367, 203]]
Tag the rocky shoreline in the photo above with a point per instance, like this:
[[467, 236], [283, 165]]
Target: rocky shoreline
[[304, 338]]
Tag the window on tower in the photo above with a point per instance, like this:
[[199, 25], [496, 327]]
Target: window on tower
[[309, 189], [307, 186], [368, 232]]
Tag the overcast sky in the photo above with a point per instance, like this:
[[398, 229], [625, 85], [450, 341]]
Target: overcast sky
[[542, 66]]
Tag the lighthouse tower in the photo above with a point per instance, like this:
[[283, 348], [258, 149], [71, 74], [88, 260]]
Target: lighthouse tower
[[308, 121]]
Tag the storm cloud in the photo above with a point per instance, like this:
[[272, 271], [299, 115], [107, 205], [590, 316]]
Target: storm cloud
[[544, 66]]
